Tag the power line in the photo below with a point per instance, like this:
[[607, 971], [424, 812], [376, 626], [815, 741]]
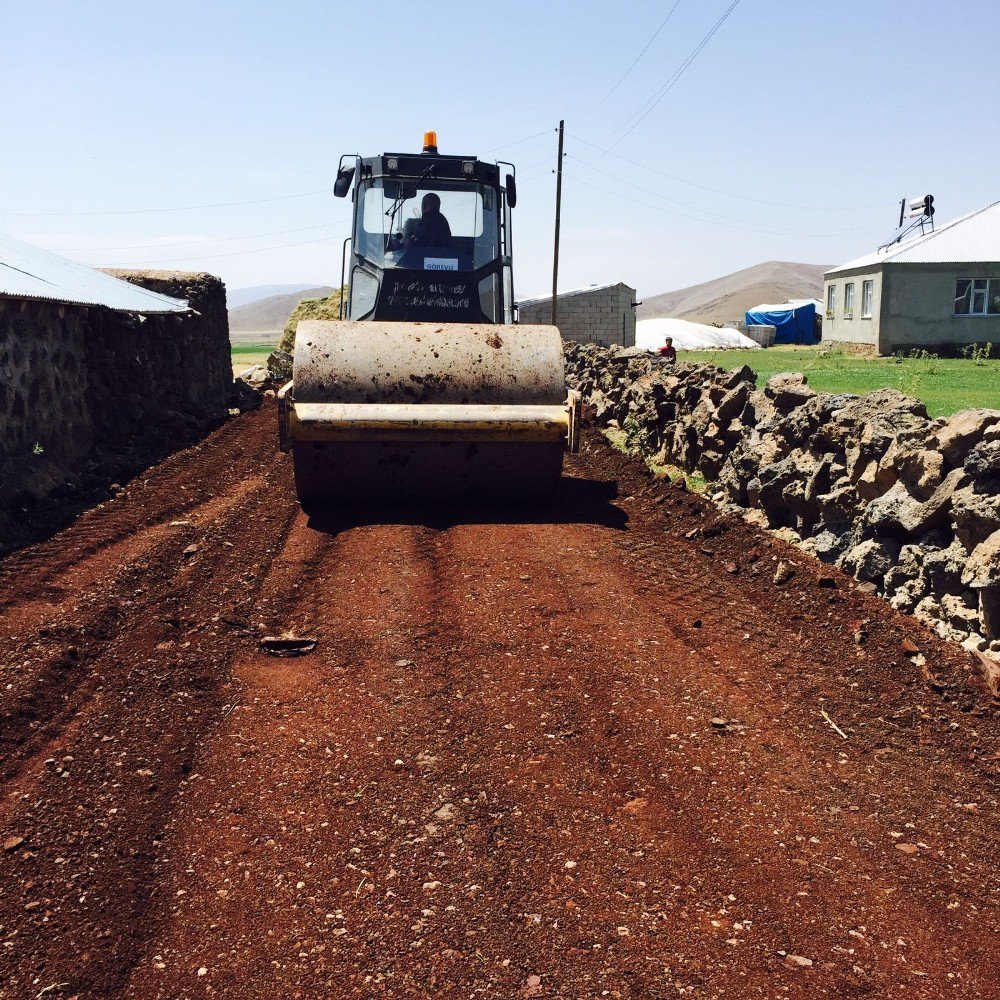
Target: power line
[[694, 208], [537, 169], [708, 222], [220, 204], [537, 174], [538, 163], [191, 243], [635, 61], [704, 187], [237, 253], [147, 211], [641, 114], [518, 142], [651, 103]]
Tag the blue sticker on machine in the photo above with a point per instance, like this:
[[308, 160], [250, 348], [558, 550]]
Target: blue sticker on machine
[[440, 264]]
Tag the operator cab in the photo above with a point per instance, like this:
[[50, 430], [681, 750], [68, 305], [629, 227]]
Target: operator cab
[[431, 238]]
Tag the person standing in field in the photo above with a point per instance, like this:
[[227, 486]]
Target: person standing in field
[[668, 352]]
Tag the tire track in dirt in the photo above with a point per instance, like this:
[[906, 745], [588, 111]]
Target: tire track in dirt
[[48, 659], [649, 832], [193, 476], [118, 738], [97, 568], [298, 822], [827, 896]]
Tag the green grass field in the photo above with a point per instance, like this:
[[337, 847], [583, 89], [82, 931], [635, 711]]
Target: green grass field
[[247, 355], [944, 384]]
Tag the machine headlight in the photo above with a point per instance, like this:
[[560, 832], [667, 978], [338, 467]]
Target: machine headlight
[[488, 297], [364, 292]]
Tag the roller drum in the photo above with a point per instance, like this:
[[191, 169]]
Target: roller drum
[[463, 365]]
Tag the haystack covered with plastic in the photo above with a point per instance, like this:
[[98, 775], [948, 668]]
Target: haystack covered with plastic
[[650, 334]]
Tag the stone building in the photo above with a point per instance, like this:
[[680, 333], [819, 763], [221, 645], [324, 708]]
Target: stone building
[[939, 291], [601, 314], [100, 370]]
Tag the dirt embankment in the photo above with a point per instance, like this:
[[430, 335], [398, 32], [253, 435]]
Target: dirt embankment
[[593, 750]]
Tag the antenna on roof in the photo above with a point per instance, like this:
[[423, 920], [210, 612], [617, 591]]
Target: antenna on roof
[[921, 210]]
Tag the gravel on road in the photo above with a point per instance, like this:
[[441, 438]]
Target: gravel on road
[[587, 750]]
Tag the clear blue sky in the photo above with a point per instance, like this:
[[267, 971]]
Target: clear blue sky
[[807, 120]]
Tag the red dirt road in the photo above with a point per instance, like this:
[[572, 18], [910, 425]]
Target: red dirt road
[[576, 752]]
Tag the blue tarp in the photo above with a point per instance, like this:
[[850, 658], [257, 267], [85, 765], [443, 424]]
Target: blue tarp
[[793, 324]]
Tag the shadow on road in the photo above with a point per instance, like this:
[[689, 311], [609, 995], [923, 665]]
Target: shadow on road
[[577, 501]]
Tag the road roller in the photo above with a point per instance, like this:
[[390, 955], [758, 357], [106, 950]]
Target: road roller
[[426, 389]]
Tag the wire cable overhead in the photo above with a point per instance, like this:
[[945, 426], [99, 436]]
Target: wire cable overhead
[[645, 49], [240, 253], [630, 124], [705, 187], [193, 243], [517, 142], [147, 211], [708, 222], [785, 230]]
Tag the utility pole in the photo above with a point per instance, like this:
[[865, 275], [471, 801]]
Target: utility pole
[[555, 250]]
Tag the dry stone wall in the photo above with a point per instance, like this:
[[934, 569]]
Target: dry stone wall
[[906, 504], [41, 397], [88, 393]]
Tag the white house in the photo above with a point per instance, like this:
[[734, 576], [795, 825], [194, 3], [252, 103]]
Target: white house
[[937, 291]]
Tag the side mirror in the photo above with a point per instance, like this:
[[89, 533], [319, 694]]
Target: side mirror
[[343, 182], [511, 191]]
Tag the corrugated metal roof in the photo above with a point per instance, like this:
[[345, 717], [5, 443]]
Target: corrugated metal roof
[[972, 238], [28, 272], [574, 291]]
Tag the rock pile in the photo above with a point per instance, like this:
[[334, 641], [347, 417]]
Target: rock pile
[[904, 503], [279, 365], [250, 386]]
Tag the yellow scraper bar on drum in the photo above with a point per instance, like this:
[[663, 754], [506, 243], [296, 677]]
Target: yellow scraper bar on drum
[[427, 422]]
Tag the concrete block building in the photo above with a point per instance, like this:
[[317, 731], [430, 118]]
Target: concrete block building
[[939, 291], [601, 314]]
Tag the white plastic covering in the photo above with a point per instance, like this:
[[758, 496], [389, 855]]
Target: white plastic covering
[[28, 272], [650, 334], [790, 304]]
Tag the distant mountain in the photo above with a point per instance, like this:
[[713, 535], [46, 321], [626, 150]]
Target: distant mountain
[[237, 297], [269, 315], [726, 299]]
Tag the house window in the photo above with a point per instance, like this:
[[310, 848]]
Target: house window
[[977, 297], [849, 300], [867, 294], [831, 300]]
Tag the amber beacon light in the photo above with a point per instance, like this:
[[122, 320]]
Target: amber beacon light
[[430, 142]]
